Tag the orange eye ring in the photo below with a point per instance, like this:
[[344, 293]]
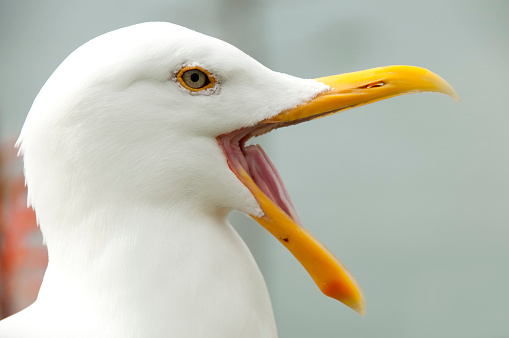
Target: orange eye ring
[[195, 78]]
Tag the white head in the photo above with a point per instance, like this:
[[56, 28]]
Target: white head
[[114, 125]]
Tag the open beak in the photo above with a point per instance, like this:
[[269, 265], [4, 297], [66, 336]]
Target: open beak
[[253, 167]]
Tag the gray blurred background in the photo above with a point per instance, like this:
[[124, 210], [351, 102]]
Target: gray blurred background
[[410, 193]]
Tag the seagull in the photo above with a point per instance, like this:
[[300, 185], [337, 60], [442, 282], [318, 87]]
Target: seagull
[[135, 152]]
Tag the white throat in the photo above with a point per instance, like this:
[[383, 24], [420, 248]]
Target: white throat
[[152, 273]]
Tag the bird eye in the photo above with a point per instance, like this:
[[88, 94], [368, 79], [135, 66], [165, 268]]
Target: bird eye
[[195, 78]]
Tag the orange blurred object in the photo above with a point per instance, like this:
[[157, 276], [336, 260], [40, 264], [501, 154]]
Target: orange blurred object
[[23, 257]]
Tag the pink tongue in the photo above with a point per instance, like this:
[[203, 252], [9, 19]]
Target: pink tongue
[[266, 177]]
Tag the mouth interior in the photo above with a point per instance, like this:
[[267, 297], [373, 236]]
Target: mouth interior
[[254, 161]]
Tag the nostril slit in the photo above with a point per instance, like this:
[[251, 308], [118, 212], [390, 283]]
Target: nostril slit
[[373, 85]]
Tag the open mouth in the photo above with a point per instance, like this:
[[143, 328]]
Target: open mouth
[[252, 160], [255, 170], [252, 165]]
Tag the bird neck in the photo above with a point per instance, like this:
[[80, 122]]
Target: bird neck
[[157, 269]]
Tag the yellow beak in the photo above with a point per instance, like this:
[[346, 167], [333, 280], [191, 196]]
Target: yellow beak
[[367, 86], [346, 91]]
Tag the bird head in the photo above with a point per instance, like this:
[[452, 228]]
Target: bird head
[[159, 114]]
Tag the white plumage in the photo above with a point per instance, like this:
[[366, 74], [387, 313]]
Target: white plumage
[[134, 154], [132, 191]]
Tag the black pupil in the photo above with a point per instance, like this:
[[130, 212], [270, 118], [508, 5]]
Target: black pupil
[[195, 77]]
